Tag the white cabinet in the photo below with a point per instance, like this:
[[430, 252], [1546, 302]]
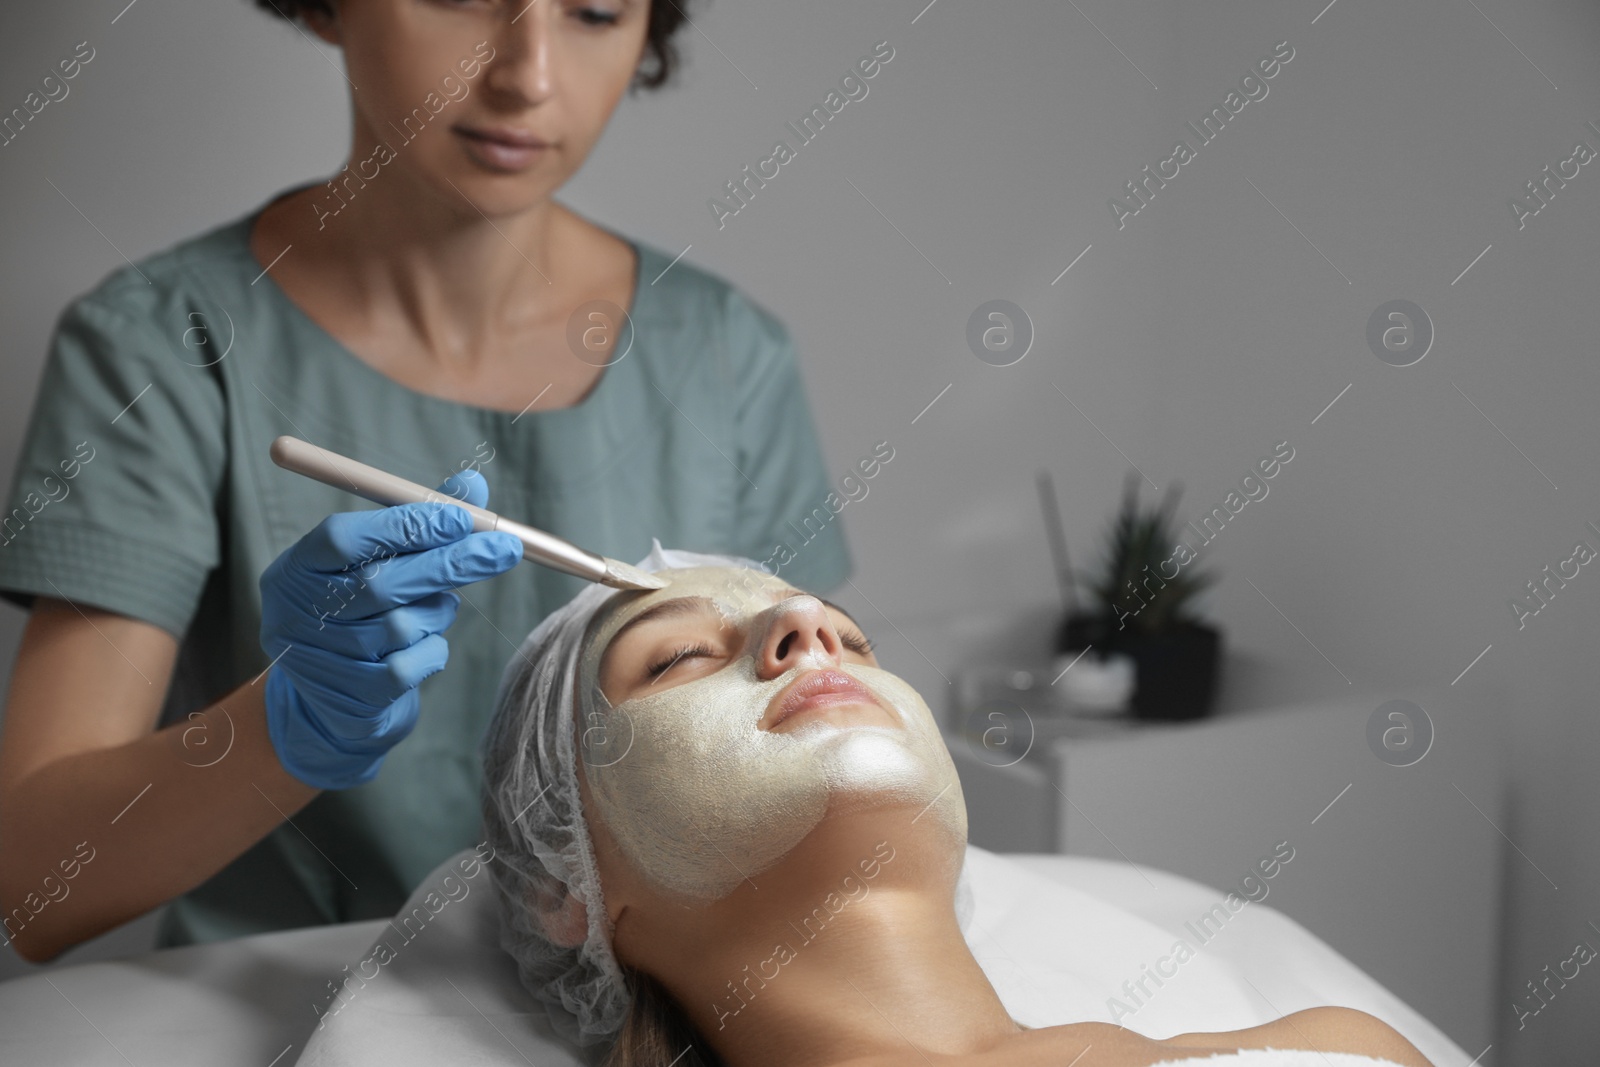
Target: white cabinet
[[1398, 868]]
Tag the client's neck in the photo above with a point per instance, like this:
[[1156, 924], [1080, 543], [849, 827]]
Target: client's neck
[[850, 950]]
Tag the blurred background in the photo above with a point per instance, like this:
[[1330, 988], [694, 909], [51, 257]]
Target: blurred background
[[1229, 314]]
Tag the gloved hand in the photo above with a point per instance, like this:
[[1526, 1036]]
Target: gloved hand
[[352, 618]]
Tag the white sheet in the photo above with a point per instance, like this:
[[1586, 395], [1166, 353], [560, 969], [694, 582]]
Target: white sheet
[[1275, 1057], [243, 1001], [1056, 935]]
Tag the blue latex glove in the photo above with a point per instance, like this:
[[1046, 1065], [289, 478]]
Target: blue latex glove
[[357, 609]]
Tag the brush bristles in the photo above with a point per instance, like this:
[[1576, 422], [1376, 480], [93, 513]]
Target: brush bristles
[[625, 576]]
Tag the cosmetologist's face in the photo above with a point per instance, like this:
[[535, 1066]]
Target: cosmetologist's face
[[552, 69], [723, 717]]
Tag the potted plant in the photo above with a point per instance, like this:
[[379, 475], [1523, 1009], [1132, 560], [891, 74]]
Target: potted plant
[[1141, 606]]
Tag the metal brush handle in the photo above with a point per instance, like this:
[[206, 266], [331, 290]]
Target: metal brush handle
[[381, 487]]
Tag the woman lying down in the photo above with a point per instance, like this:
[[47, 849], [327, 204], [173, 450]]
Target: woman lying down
[[672, 776]]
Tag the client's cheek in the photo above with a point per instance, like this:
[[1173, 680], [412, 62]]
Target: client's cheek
[[686, 780], [701, 783]]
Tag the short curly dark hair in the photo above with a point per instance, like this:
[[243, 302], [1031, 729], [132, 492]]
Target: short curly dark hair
[[661, 57]]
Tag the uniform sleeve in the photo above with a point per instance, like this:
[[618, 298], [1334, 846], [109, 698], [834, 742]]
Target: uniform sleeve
[[785, 501], [113, 498]]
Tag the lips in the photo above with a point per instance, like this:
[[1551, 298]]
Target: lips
[[502, 149], [818, 688], [505, 135]]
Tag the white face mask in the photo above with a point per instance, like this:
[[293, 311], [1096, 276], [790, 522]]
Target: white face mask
[[699, 797]]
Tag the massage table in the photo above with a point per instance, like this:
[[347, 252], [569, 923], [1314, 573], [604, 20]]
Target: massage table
[[1057, 935]]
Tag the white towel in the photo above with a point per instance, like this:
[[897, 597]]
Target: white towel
[[1056, 935], [1282, 1057]]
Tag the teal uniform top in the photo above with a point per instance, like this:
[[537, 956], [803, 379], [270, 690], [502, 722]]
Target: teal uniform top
[[144, 487]]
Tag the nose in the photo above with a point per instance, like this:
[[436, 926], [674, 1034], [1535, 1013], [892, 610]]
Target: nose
[[798, 630], [523, 64]]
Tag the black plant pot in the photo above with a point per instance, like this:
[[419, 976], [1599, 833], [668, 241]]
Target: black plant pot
[[1081, 630], [1175, 670]]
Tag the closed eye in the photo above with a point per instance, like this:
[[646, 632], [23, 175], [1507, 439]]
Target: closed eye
[[692, 650], [854, 640], [591, 16]]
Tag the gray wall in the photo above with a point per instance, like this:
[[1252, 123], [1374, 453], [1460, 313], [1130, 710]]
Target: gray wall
[[1220, 320]]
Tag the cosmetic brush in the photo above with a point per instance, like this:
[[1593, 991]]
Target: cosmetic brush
[[381, 487]]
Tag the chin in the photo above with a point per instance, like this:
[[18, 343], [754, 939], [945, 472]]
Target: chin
[[495, 195], [877, 775], [907, 773]]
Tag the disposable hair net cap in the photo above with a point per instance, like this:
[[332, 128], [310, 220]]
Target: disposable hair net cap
[[553, 919]]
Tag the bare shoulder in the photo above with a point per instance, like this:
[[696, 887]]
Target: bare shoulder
[[1323, 1029], [1093, 1044], [1096, 1044]]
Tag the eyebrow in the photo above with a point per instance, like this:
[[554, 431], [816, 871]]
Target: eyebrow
[[696, 605]]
